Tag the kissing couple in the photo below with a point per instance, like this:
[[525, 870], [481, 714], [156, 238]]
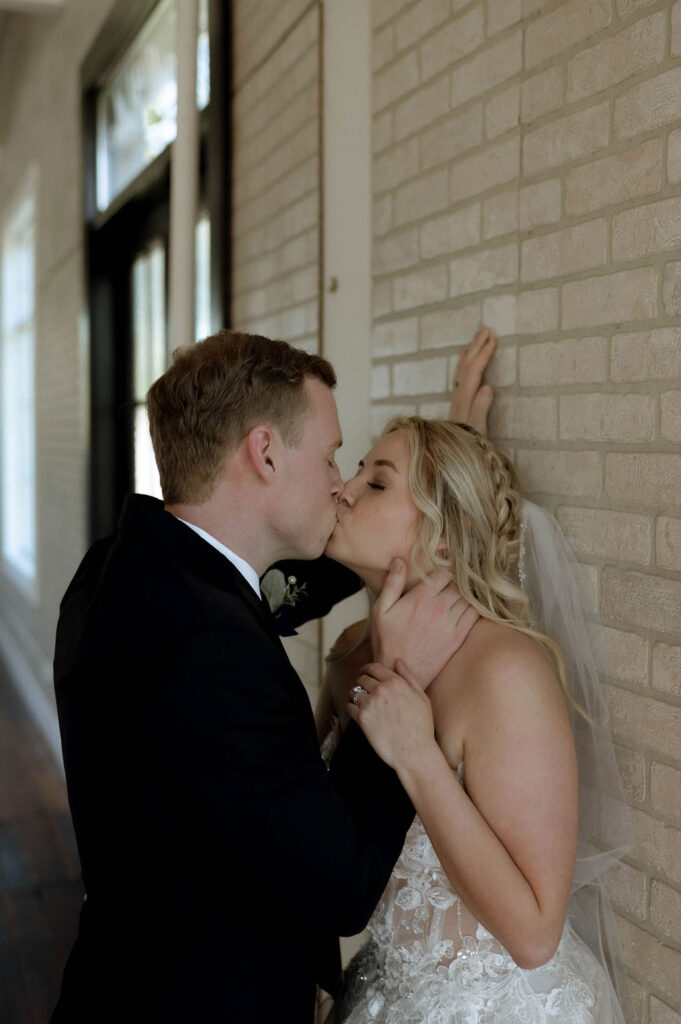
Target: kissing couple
[[221, 856]]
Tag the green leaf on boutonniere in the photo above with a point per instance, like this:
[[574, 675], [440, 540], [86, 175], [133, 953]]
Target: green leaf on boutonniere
[[279, 591], [273, 586]]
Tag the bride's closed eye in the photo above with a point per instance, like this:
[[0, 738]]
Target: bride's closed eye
[[375, 486]]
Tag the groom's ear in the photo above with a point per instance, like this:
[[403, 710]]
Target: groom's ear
[[261, 445]]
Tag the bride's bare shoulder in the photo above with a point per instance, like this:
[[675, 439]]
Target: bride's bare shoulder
[[497, 646], [497, 660], [498, 678]]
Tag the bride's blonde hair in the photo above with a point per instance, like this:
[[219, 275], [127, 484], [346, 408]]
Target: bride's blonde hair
[[468, 494], [469, 497]]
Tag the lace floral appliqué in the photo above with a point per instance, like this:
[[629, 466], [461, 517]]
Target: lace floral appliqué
[[429, 961]]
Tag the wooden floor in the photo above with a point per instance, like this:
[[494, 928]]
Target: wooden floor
[[40, 887]]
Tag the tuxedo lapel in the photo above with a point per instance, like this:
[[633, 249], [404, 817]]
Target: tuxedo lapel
[[258, 604]]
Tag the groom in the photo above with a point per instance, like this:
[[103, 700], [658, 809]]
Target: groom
[[219, 856]]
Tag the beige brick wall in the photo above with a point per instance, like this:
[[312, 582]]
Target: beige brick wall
[[526, 174], [527, 164], [276, 197]]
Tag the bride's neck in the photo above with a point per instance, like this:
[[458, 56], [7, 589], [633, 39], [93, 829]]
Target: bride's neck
[[375, 581]]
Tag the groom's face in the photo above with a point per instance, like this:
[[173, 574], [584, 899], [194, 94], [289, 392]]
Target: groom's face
[[311, 481]]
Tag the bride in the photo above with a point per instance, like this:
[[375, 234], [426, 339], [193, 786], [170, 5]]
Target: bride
[[495, 911]]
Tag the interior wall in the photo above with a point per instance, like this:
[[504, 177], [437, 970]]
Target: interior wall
[[276, 182], [277, 196], [526, 172], [527, 163], [40, 126], [346, 204]]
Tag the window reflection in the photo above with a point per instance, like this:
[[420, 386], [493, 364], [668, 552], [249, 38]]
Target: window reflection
[[18, 386], [203, 58], [149, 357], [137, 108], [150, 347], [203, 312]]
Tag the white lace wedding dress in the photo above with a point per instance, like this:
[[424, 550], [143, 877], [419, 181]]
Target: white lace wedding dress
[[428, 961]]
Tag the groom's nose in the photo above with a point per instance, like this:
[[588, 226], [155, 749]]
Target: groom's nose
[[337, 485], [345, 496]]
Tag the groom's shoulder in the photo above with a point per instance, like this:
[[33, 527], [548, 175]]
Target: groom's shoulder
[[155, 576], [125, 568], [96, 558], [90, 567]]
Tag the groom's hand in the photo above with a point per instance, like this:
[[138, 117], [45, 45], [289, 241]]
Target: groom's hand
[[424, 627]]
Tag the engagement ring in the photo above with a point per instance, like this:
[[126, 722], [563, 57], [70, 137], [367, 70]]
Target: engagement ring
[[355, 691]]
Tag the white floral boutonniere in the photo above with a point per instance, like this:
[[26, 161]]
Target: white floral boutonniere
[[278, 590]]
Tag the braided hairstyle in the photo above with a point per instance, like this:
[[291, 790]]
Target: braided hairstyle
[[469, 497]]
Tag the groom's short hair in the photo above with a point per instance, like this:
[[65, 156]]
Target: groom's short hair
[[214, 393]]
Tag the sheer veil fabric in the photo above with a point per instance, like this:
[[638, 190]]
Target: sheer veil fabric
[[546, 575]]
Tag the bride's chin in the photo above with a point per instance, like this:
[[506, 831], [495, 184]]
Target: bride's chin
[[373, 579], [331, 553]]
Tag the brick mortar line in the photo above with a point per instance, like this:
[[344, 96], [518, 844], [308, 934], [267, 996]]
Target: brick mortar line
[[525, 74], [255, 288], [613, 148], [244, 170], [275, 46], [274, 250], [285, 100], [285, 275], [249, 232], [268, 217], [292, 175]]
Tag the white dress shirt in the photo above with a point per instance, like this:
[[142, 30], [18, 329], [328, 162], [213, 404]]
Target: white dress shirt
[[246, 570]]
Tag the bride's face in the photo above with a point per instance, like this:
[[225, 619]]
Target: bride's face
[[377, 518]]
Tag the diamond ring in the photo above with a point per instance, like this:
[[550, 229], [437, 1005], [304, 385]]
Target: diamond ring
[[355, 692]]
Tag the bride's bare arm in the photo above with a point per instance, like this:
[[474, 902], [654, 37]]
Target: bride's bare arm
[[507, 842]]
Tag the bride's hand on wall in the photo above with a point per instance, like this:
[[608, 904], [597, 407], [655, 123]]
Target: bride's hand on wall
[[394, 713], [424, 627], [471, 399]]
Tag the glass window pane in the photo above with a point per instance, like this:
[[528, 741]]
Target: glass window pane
[[137, 108], [203, 313], [203, 58], [18, 387], [18, 271], [150, 355], [146, 474]]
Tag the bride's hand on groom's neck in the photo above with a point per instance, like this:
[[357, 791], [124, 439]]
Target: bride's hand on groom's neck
[[424, 626]]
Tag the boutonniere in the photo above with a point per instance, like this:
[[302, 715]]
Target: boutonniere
[[278, 590]]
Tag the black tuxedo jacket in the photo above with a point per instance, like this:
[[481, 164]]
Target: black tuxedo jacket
[[219, 856]]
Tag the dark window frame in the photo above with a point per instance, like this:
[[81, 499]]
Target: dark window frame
[[114, 237]]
